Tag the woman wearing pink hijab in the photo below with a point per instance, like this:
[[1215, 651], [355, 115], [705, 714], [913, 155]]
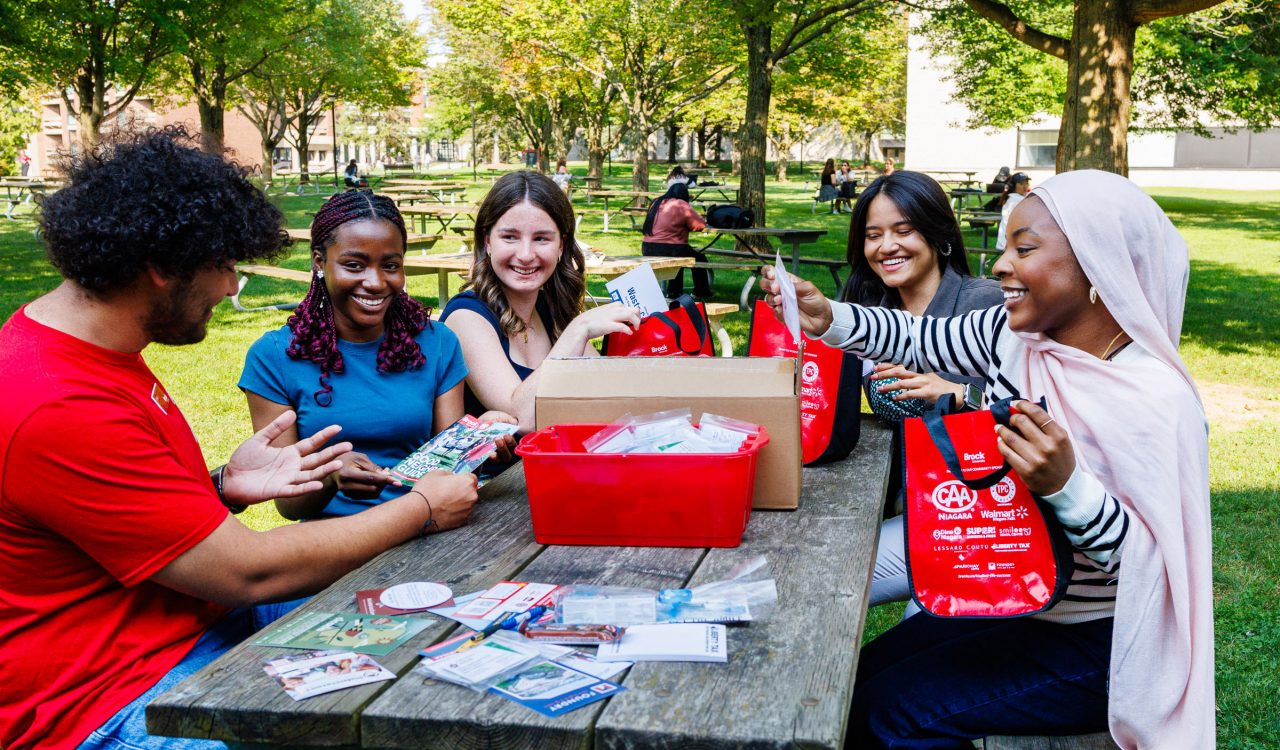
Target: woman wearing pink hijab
[[1095, 278]]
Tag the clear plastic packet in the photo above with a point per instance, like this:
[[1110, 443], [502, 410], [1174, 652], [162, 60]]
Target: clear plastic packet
[[614, 438], [726, 430], [750, 583], [482, 666], [582, 604], [642, 434]]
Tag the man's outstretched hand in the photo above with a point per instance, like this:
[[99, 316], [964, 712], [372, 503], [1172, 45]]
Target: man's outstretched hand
[[259, 471]]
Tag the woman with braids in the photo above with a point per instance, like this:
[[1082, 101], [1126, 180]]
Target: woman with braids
[[525, 298], [362, 353]]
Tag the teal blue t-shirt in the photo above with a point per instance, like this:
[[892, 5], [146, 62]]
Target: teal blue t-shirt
[[386, 416]]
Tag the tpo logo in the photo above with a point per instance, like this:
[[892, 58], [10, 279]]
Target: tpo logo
[[1004, 491], [809, 372], [953, 497]]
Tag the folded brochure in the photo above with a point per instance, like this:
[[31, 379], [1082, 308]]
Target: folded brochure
[[459, 448], [367, 634], [317, 672]]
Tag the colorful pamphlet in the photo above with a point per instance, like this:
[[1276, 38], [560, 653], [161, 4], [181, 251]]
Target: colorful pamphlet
[[368, 634], [552, 689], [317, 672], [418, 596], [459, 448], [507, 597]]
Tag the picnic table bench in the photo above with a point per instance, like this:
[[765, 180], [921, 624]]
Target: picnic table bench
[[788, 681], [793, 238]]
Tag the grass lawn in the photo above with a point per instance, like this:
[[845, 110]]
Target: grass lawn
[[1231, 342]]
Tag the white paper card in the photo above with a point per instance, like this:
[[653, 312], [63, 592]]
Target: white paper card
[[638, 288], [787, 293], [668, 642], [416, 595]]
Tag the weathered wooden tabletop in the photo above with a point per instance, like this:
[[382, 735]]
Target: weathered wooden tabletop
[[787, 683]]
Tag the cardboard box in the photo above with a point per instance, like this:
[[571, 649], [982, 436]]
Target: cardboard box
[[763, 390]]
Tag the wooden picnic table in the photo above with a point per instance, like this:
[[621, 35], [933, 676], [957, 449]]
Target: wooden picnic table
[[411, 195], [792, 238], [634, 197], [444, 215], [980, 219], [726, 192], [788, 681], [19, 190]]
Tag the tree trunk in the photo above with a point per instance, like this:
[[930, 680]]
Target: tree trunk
[[212, 127], [268, 164], [751, 138], [90, 112], [1094, 133], [702, 144], [719, 147], [303, 141], [673, 132], [640, 162]]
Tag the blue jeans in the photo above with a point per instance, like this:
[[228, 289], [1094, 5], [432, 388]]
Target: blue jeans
[[127, 730], [938, 683]]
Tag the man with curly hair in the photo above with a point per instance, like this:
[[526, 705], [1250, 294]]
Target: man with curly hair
[[122, 570]]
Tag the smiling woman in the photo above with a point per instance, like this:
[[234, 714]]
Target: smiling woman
[[1095, 280], [362, 353], [525, 298]]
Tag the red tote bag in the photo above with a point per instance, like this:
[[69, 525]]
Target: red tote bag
[[830, 388], [682, 331], [978, 543]]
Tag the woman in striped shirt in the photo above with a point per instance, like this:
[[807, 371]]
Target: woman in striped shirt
[[1094, 279]]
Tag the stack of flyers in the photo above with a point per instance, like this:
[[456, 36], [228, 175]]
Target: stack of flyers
[[316, 672], [368, 634], [460, 448], [551, 680]]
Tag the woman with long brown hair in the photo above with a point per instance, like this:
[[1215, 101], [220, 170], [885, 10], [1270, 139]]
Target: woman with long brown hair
[[524, 302]]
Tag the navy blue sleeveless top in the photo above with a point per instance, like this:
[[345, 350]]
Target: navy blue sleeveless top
[[469, 301]]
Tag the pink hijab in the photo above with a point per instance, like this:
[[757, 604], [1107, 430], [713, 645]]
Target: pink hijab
[[1139, 427]]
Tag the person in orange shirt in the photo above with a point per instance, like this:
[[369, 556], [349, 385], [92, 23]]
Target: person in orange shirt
[[666, 235]]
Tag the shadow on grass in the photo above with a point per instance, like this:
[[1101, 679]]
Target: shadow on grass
[[1232, 310], [1259, 219]]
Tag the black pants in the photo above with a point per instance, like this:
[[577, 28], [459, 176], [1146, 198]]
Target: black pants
[[675, 287]]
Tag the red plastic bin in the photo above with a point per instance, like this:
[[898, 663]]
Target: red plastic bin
[[636, 499]]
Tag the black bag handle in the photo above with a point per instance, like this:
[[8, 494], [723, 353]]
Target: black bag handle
[[933, 421], [690, 307]]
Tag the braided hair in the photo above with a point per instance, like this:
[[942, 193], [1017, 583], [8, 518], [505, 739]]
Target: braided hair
[[315, 336]]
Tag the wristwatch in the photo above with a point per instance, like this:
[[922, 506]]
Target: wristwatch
[[972, 397]]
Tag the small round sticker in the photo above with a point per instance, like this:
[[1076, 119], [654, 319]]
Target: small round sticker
[[416, 595]]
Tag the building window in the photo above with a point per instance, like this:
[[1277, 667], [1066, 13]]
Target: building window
[[1037, 148], [282, 154], [445, 151]]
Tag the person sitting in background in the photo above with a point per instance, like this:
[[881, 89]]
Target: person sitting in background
[[677, 175], [999, 185], [1094, 278], [351, 176], [1016, 189], [847, 184], [828, 188], [889, 165], [360, 352], [666, 235], [562, 176], [524, 300], [122, 568]]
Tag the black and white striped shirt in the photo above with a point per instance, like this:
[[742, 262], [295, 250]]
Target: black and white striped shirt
[[978, 344]]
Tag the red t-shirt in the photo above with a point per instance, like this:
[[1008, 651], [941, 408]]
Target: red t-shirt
[[102, 484], [675, 219]]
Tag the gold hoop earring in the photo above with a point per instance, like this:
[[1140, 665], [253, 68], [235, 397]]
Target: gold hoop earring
[[1093, 295]]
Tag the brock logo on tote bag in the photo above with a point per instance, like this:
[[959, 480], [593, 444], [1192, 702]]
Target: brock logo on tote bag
[[978, 543], [681, 332]]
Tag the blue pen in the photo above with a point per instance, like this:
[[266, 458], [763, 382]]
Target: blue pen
[[510, 622]]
